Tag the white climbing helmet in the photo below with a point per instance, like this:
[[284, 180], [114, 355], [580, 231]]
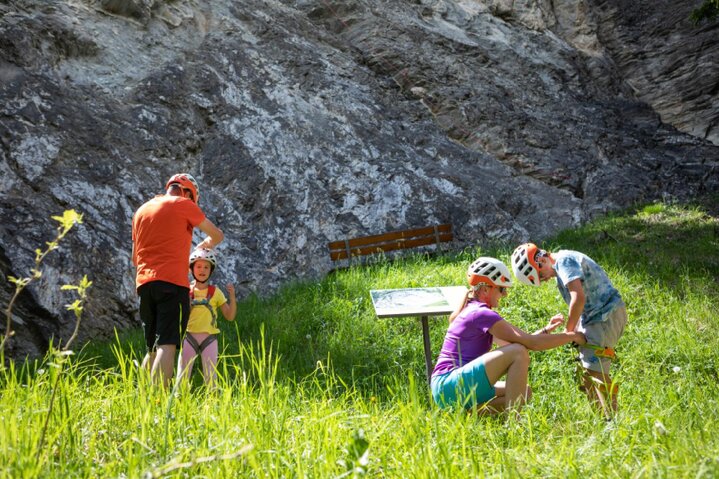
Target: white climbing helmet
[[486, 271], [207, 255], [525, 265]]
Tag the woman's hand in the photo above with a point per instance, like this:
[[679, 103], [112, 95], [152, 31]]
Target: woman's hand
[[579, 338], [556, 321]]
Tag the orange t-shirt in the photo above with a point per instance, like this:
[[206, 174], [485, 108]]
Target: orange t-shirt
[[162, 233]]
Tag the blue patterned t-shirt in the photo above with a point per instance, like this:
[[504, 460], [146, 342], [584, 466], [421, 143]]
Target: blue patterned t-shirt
[[599, 294]]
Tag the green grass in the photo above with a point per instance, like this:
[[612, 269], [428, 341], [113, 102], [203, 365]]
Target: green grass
[[319, 387]]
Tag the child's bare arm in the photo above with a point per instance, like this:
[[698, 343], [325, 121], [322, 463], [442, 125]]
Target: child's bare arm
[[229, 309], [576, 304]]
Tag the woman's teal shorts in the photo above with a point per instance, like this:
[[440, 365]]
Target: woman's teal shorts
[[466, 386]]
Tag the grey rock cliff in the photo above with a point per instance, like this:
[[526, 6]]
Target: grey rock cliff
[[314, 120]]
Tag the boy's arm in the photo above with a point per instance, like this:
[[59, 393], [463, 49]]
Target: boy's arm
[[576, 303], [229, 309]]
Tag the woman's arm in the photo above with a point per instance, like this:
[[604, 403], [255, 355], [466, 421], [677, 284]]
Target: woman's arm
[[553, 324], [506, 331]]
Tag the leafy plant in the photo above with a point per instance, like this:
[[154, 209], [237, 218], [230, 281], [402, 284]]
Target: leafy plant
[[58, 358], [68, 219]]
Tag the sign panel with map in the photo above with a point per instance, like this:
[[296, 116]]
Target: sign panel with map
[[393, 303]]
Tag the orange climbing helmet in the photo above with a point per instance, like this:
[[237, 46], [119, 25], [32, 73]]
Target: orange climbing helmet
[[524, 264], [487, 271], [186, 181]]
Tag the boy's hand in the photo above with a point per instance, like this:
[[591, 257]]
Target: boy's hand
[[579, 338], [554, 323], [231, 289]]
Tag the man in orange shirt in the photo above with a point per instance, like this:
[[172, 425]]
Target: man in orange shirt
[[161, 243]]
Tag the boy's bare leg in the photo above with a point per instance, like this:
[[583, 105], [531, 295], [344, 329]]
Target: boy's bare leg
[[601, 391]]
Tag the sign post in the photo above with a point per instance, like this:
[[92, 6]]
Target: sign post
[[418, 302]]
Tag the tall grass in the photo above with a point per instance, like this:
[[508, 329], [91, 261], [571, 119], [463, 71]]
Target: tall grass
[[314, 385]]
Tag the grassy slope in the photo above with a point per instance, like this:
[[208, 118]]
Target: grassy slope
[[313, 378]]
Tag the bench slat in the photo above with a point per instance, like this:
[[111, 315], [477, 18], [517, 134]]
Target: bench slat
[[392, 236], [400, 243]]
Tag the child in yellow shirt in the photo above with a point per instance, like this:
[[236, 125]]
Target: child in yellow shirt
[[202, 331]]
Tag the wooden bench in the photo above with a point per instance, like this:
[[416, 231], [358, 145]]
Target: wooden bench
[[395, 240]]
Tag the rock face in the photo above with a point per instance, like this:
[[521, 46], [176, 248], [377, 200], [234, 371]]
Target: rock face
[[669, 63], [313, 120]]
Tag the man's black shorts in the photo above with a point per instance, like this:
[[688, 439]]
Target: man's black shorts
[[164, 311]]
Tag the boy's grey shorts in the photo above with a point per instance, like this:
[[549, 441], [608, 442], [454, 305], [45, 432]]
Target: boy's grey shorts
[[605, 334]]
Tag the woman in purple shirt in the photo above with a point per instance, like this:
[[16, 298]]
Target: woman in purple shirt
[[468, 370]]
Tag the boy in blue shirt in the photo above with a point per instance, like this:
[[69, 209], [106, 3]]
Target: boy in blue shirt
[[595, 309]]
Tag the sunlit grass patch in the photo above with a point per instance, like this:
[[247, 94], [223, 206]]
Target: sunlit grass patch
[[312, 384]]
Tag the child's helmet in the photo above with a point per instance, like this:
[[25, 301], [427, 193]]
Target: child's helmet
[[524, 264], [207, 255], [487, 271], [185, 180]]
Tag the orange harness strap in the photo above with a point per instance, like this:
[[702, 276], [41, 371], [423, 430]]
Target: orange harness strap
[[601, 351]]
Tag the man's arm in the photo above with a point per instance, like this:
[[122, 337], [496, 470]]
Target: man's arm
[[214, 234], [576, 303]]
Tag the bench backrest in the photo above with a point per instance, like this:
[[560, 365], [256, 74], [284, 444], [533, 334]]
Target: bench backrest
[[396, 240]]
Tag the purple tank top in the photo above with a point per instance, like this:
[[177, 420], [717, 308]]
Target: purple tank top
[[467, 337]]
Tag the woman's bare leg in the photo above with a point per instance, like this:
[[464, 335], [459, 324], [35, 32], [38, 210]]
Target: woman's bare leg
[[512, 360], [498, 403]]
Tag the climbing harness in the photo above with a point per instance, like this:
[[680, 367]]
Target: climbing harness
[[601, 351], [189, 338], [205, 302], [199, 347]]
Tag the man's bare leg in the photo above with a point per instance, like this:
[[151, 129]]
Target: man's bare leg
[[163, 366]]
